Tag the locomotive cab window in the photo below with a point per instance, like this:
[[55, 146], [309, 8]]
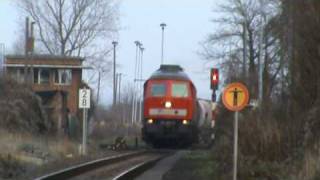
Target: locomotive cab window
[[158, 90], [179, 90]]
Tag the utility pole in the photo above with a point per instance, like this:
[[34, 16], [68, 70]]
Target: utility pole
[[114, 43], [260, 59], [244, 61], [162, 25]]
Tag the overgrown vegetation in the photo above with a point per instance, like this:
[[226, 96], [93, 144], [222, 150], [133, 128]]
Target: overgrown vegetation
[[280, 139], [10, 168], [15, 112]]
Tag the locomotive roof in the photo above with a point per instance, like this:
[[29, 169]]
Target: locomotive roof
[[170, 72]]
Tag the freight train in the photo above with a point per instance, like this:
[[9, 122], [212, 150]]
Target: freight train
[[172, 111]]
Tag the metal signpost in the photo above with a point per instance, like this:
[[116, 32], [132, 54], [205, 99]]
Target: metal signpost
[[235, 98], [84, 104]]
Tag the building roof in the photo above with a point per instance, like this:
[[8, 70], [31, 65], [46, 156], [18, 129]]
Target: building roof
[[44, 57], [45, 61], [48, 66]]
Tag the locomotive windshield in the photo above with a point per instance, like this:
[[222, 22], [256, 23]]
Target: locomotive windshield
[[158, 90], [179, 90]]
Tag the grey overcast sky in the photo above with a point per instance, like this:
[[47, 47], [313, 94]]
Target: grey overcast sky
[[188, 24]]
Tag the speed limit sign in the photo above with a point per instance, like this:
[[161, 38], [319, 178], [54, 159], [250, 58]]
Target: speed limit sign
[[84, 98]]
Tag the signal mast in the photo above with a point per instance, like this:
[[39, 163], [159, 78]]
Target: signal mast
[[214, 79]]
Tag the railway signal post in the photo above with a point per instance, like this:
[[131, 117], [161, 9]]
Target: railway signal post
[[235, 98], [84, 104], [214, 82]]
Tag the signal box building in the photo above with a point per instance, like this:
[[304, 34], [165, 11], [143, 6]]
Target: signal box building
[[56, 79]]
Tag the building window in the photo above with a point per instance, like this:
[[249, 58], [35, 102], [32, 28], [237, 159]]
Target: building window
[[44, 76], [21, 75], [41, 76], [63, 76], [18, 75], [36, 76]]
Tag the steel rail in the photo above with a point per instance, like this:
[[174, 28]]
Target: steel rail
[[88, 166], [137, 170]]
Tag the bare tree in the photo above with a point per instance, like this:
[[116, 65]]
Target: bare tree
[[75, 28], [68, 27], [102, 69], [235, 44]]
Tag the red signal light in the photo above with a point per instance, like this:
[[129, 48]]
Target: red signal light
[[214, 78]]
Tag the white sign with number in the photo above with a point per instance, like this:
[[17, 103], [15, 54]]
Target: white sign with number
[[84, 98]]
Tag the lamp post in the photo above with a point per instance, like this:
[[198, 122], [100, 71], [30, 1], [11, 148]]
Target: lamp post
[[119, 86], [114, 43], [141, 91], [119, 97], [134, 98], [162, 25]]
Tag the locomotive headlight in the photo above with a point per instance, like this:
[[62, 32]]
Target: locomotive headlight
[[150, 121], [185, 122], [168, 104]]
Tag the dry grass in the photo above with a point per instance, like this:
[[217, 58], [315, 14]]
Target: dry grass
[[262, 138], [40, 147], [308, 168], [21, 155], [10, 142]]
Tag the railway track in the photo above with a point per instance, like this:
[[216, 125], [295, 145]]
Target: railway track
[[119, 167]]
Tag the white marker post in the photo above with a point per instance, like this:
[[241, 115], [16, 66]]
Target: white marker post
[[84, 104], [235, 146]]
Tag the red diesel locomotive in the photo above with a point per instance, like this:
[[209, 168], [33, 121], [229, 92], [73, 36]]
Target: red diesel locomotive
[[170, 107]]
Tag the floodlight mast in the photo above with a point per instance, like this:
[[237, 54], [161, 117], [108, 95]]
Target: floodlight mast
[[162, 25], [114, 43]]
